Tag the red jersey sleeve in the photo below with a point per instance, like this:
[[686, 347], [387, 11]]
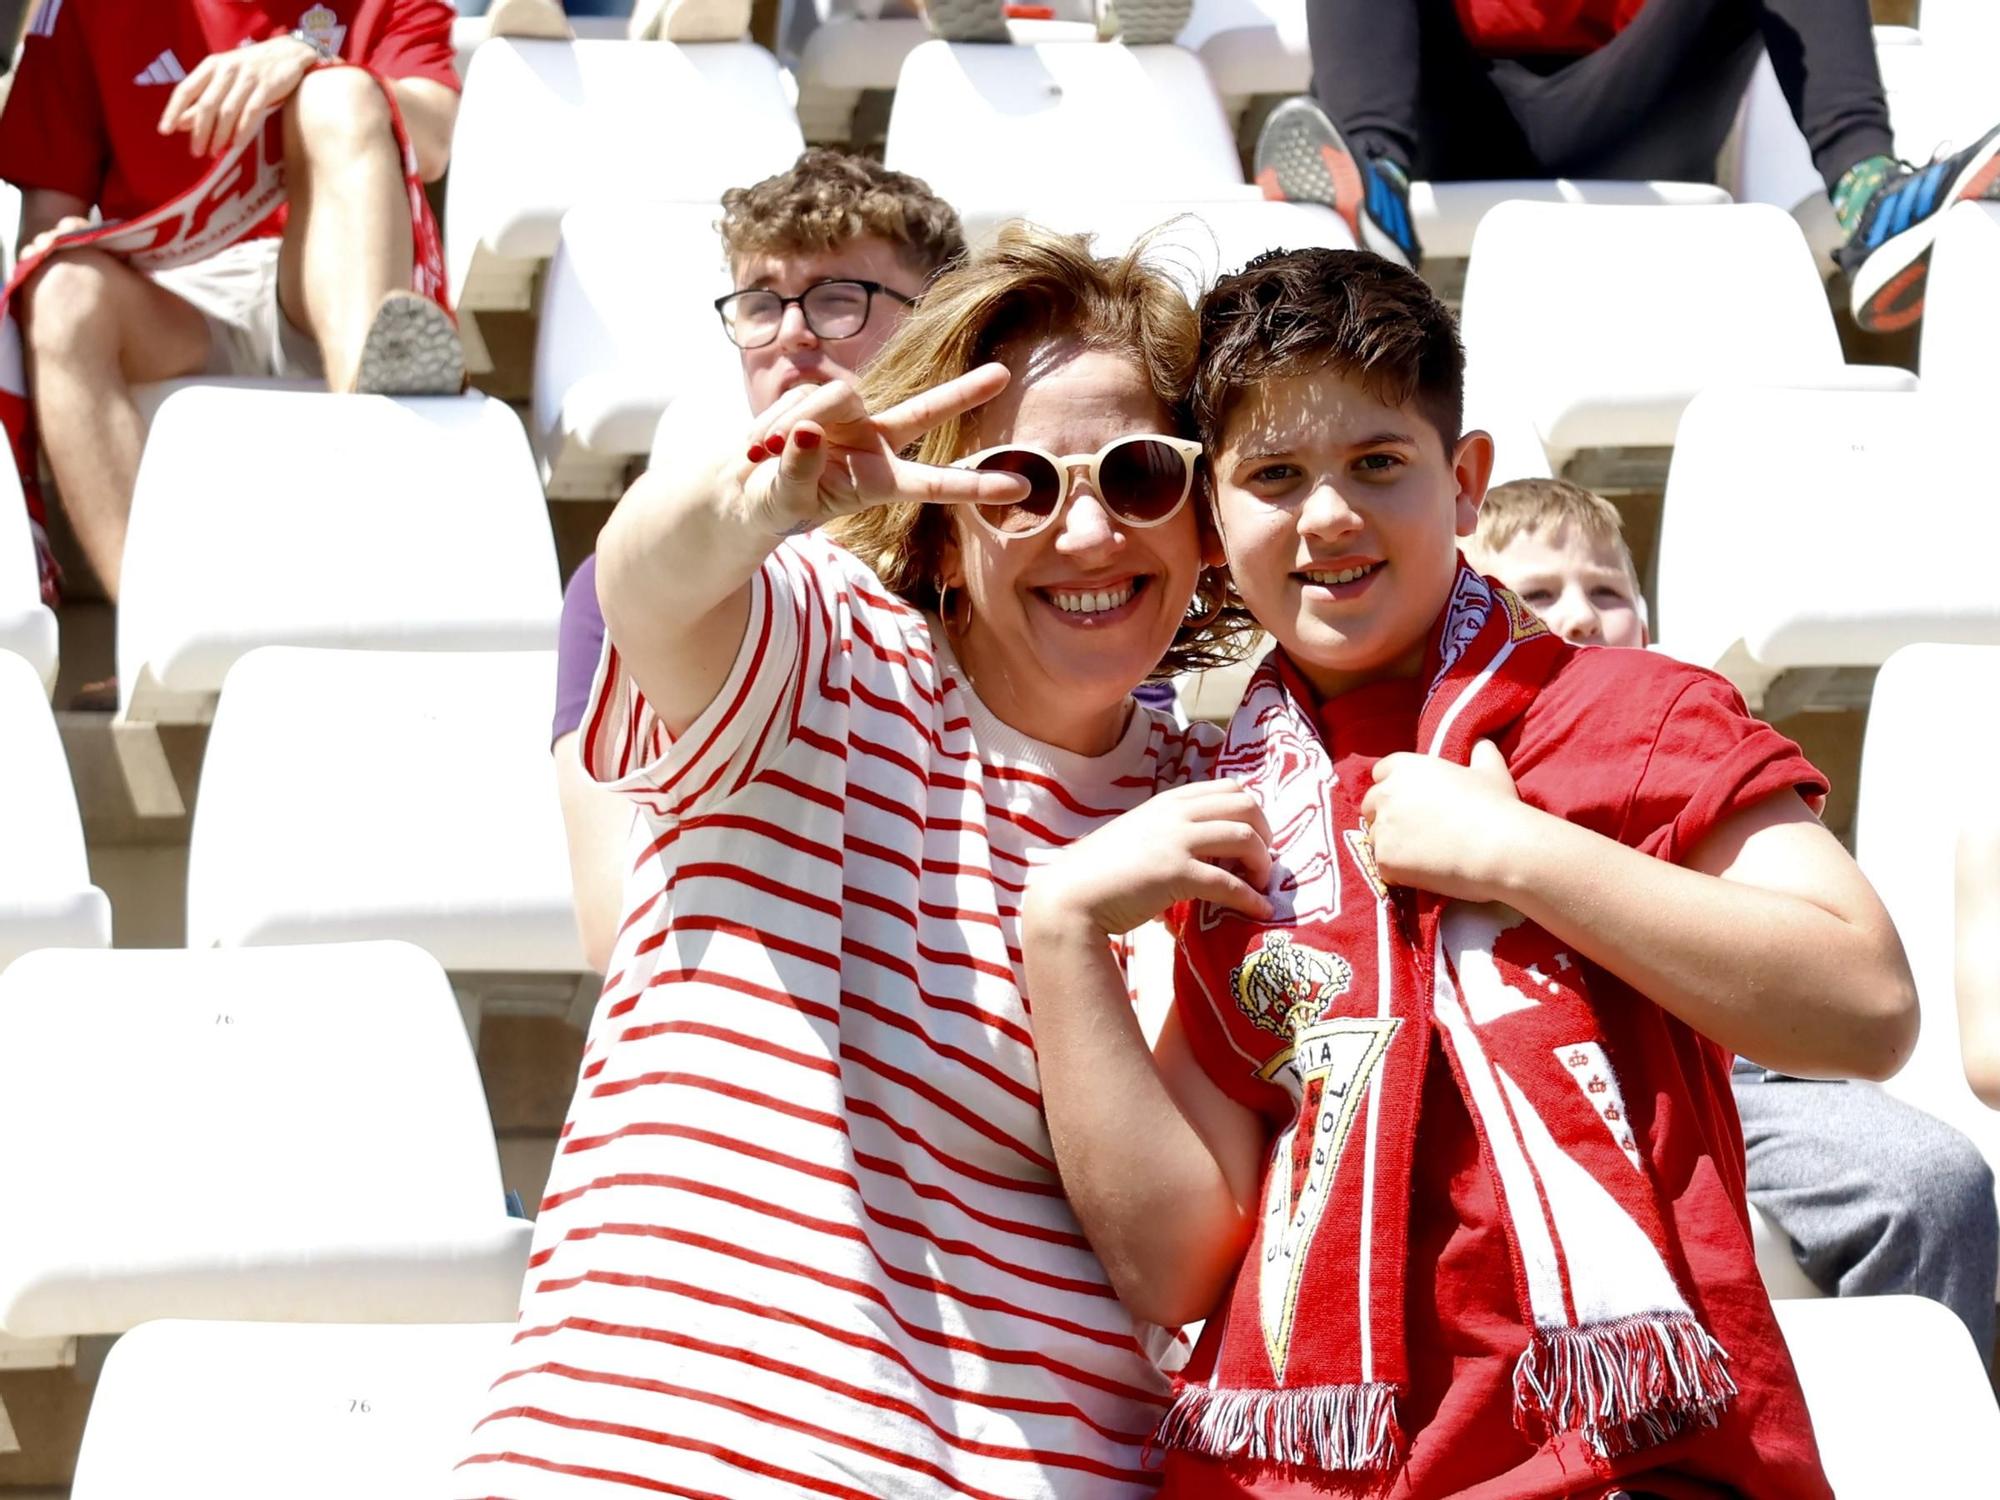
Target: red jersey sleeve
[[407, 39], [1649, 751], [1709, 761], [53, 133]]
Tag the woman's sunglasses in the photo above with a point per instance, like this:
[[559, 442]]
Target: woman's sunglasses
[[1143, 480]]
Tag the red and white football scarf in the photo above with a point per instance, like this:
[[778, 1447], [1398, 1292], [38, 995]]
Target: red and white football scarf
[[236, 196], [1615, 1354]]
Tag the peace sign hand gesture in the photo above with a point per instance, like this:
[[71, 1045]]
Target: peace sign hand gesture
[[820, 453]]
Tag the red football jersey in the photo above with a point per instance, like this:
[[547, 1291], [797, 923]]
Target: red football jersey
[[95, 77]]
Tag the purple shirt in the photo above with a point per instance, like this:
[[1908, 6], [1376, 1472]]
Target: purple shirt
[[579, 643]]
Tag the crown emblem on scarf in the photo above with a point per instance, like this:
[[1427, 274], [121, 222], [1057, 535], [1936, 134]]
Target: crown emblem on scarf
[[1282, 985]]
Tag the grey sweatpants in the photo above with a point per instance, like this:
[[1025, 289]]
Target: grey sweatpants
[[1876, 1196]]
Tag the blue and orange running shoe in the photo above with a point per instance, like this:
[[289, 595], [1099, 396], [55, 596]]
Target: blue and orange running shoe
[[1302, 159], [1888, 257]]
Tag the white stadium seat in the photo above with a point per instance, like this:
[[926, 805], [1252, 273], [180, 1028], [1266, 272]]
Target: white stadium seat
[[1926, 760], [246, 1411], [426, 808], [1601, 323], [994, 130], [1775, 507], [628, 324], [1448, 214], [285, 1133], [297, 518], [46, 898], [697, 421], [1517, 448], [27, 626], [1961, 28], [1775, 1261], [1899, 1398], [848, 55], [1961, 330], [1250, 47], [547, 125]]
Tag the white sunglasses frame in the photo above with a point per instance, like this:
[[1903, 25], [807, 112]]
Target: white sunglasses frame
[[1066, 464]]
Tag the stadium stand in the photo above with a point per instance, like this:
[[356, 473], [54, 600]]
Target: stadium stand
[[243, 1411], [1935, 708], [1963, 326], [46, 896], [27, 626], [272, 517], [1899, 1398], [547, 125], [627, 325], [284, 1133], [436, 823], [1732, 296], [275, 1138], [1755, 589]]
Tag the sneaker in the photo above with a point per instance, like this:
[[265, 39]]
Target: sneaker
[[1888, 257], [412, 349], [1145, 23], [1302, 159], [967, 20]]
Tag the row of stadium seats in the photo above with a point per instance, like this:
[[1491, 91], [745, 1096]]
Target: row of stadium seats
[[628, 273]]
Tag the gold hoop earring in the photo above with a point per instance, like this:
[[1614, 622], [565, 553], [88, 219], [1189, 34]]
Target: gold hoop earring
[[955, 613]]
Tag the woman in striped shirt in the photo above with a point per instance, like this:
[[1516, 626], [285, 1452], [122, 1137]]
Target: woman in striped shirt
[[805, 1233]]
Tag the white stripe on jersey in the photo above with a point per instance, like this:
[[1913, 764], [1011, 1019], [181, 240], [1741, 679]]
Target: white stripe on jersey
[[44, 23]]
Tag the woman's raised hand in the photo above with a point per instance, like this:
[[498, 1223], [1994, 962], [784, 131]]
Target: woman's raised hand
[[819, 453]]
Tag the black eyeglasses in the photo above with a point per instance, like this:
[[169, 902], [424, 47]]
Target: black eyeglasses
[[832, 310]]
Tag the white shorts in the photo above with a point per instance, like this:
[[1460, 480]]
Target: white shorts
[[236, 292]]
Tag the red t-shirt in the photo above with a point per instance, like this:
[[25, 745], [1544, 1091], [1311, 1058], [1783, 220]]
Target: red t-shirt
[[1654, 754], [1503, 27], [95, 76]]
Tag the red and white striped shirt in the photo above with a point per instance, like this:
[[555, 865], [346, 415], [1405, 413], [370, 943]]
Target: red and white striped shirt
[[805, 1234]]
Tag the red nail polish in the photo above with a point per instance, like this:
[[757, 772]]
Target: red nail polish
[[757, 454], [775, 442], [808, 440]]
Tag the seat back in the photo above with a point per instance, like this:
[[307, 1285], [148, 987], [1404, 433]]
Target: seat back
[[46, 898], [27, 626], [1926, 766], [1961, 328], [292, 1133], [434, 814], [244, 1411], [1604, 321], [545, 126], [289, 517], [992, 129], [1899, 1400]]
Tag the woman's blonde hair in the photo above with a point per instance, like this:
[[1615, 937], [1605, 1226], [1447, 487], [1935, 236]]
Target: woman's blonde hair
[[1030, 286]]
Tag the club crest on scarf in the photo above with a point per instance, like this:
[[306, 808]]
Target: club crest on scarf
[[1284, 986]]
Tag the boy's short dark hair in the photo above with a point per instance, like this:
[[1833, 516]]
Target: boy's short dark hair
[[827, 198], [1293, 312]]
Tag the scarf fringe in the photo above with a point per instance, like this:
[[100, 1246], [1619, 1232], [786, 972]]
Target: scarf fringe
[[1623, 1385], [1334, 1427]]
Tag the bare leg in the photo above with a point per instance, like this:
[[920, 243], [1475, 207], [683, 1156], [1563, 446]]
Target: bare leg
[[348, 239], [93, 329]]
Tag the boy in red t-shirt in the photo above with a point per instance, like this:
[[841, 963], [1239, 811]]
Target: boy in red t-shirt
[[1439, 1137], [123, 105]]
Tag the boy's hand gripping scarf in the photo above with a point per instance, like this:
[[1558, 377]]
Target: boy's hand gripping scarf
[[237, 195], [1615, 1354]]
